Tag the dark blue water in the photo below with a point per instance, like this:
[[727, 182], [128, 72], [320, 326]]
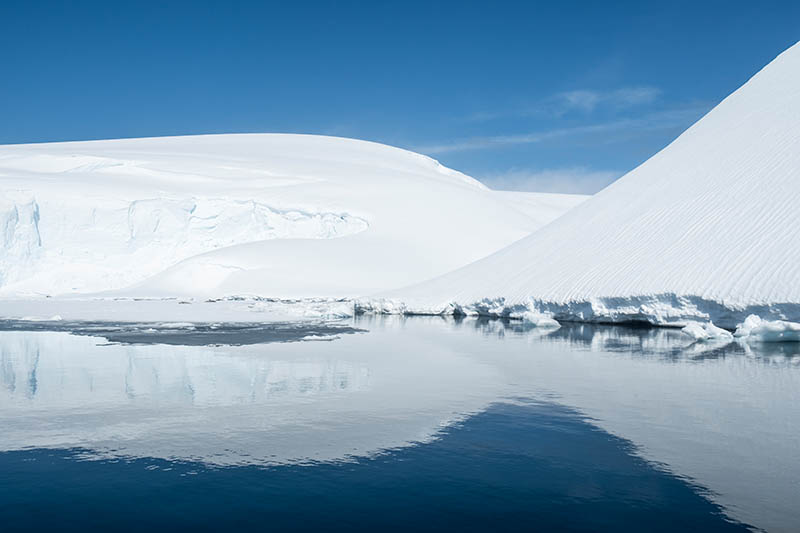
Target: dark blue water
[[426, 425], [510, 468]]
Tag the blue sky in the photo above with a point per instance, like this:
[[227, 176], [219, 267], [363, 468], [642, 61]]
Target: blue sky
[[558, 96]]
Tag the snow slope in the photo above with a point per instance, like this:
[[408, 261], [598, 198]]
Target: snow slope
[[272, 215], [708, 228]]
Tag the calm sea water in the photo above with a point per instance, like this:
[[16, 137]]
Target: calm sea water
[[394, 424]]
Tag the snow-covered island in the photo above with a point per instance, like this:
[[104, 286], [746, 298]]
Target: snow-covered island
[[705, 232]]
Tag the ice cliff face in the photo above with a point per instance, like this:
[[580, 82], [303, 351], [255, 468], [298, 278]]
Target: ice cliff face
[[114, 244], [20, 242]]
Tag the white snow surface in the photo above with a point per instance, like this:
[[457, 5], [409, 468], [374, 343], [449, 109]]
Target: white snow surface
[[259, 214], [705, 230]]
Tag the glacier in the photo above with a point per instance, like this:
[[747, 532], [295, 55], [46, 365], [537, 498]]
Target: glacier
[[704, 231], [274, 215]]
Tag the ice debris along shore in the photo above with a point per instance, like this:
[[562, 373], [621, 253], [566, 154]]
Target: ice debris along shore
[[754, 329], [271, 215], [704, 231], [768, 330]]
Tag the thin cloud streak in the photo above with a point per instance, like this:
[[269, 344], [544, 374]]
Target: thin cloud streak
[[651, 121], [581, 100], [588, 101]]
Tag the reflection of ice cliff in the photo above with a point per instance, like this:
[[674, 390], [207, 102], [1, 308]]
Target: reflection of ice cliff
[[123, 374], [255, 404]]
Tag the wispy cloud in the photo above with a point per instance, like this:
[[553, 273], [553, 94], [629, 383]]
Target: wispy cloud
[[578, 180], [678, 117], [583, 101], [481, 143], [588, 100]]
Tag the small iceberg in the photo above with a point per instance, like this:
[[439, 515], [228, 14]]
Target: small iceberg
[[539, 320], [705, 331], [757, 329]]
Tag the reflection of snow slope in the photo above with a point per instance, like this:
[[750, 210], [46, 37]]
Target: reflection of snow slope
[[706, 228], [101, 215], [724, 416]]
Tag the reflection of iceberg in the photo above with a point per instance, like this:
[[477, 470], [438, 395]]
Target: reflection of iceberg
[[723, 415], [256, 404], [42, 369]]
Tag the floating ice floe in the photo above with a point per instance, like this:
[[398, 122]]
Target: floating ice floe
[[757, 329], [705, 331], [54, 318], [539, 320]]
